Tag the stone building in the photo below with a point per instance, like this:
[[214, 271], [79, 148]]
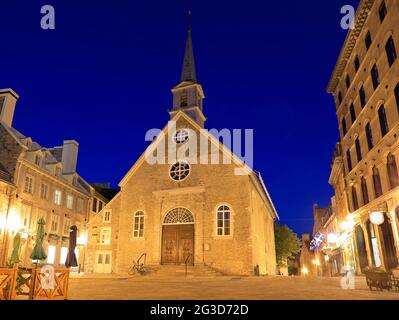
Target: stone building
[[45, 184], [202, 214], [365, 87], [307, 266]]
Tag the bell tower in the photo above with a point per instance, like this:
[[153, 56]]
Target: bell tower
[[188, 95]]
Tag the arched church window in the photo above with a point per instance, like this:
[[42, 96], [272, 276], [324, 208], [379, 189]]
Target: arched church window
[[223, 221], [178, 215], [180, 171], [181, 136], [138, 228]]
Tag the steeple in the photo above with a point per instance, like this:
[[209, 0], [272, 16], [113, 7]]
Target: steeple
[[188, 94], [188, 70]]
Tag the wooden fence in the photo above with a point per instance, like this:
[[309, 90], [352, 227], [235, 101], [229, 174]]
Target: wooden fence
[[8, 278], [37, 283], [42, 289]]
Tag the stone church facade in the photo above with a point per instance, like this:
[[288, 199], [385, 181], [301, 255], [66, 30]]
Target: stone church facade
[[202, 214]]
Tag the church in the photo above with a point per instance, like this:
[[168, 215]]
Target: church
[[186, 213]]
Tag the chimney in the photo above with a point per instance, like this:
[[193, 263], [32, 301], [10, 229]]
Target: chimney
[[8, 99], [305, 237], [69, 156]]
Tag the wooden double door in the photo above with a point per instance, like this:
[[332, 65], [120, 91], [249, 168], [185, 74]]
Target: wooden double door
[[178, 244]]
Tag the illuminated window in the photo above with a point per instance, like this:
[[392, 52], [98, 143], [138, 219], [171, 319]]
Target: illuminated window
[[138, 228], [105, 236], [57, 197], [51, 254], [64, 254], [223, 221], [28, 188]]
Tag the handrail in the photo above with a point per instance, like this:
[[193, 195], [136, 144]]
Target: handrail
[[141, 257], [186, 262]]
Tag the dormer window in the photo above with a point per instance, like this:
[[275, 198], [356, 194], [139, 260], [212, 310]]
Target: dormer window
[[58, 172], [184, 99], [38, 160]]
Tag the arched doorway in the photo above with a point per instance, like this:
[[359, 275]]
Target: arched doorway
[[178, 237], [361, 247], [388, 242]]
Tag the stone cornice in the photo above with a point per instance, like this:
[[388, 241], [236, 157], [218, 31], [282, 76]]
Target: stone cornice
[[350, 42]]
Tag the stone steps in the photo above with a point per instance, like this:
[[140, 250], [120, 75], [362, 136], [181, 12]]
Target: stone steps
[[180, 270]]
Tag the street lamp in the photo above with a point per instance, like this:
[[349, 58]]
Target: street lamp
[[377, 218], [305, 271]]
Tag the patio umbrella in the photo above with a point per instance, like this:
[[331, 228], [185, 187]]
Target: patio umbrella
[[38, 250], [15, 249], [71, 257]]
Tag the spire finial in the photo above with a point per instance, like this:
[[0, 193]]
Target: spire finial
[[189, 20], [188, 71]]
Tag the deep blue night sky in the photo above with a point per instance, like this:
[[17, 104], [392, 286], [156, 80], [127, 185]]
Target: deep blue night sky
[[103, 77]]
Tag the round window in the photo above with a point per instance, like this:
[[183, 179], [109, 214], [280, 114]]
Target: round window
[[180, 171], [181, 136]]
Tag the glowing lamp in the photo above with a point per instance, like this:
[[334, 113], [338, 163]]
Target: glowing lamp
[[316, 262], [377, 217], [305, 270]]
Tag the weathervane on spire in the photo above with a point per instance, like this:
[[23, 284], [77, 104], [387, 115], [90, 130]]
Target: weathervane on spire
[[189, 20]]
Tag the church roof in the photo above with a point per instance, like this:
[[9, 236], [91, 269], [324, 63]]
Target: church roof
[[188, 71]]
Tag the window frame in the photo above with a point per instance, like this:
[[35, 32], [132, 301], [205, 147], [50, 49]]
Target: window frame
[[222, 228], [29, 186], [382, 117], [102, 242], [58, 191], [109, 212], [390, 51], [68, 197], [139, 226]]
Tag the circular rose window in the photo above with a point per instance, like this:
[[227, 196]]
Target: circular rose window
[[180, 171], [181, 136]]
